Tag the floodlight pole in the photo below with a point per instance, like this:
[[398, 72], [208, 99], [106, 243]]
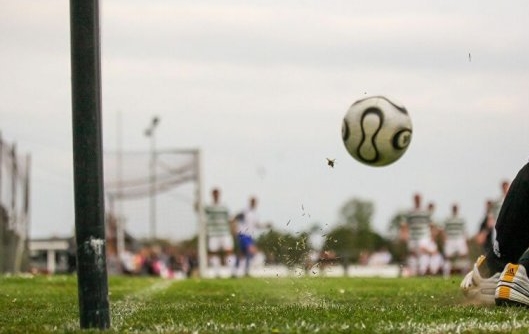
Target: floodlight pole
[[149, 132], [88, 165], [202, 229]]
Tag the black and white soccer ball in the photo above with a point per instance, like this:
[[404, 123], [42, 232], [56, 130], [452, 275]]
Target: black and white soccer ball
[[376, 131]]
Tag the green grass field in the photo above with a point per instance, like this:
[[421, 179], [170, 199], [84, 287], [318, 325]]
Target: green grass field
[[251, 305]]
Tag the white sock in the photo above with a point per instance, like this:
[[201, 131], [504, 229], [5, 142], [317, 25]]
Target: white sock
[[214, 261]]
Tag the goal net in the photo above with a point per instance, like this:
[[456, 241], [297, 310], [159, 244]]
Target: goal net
[[14, 208], [154, 195]]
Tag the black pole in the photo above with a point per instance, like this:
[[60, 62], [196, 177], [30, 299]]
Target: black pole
[[88, 165]]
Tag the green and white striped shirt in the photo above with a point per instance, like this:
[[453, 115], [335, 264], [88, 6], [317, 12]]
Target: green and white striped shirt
[[217, 220], [418, 225], [454, 228]]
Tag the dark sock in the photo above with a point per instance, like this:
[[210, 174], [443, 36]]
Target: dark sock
[[524, 259], [493, 265]]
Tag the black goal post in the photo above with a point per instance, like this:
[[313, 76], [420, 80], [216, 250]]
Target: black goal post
[[88, 164]]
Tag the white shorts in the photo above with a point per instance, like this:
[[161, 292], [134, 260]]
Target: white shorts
[[422, 245], [220, 242], [456, 247]]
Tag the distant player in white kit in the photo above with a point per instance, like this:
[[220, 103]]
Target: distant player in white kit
[[246, 224], [220, 238], [416, 230], [455, 245]]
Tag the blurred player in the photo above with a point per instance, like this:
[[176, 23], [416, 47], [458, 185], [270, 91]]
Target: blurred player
[[495, 209], [486, 228], [246, 225], [416, 230], [220, 239], [436, 257], [501, 275], [455, 241]]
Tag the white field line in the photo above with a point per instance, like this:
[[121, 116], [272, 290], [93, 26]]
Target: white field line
[[121, 310], [459, 326], [462, 326]]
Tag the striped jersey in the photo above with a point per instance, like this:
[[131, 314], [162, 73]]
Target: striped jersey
[[454, 228], [496, 207], [418, 225], [217, 220]]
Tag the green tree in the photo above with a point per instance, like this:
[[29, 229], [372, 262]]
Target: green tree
[[357, 214], [398, 246], [354, 236], [348, 245], [340, 241], [395, 223], [285, 248]]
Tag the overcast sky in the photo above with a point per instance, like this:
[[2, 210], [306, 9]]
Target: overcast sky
[[261, 88]]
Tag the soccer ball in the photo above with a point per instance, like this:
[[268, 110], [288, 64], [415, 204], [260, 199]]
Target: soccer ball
[[376, 131]]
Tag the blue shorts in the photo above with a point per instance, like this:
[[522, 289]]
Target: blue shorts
[[245, 241]]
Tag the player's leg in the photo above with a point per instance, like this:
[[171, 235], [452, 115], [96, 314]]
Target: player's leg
[[436, 263], [435, 258], [412, 258], [249, 253], [424, 263], [214, 247], [245, 253], [424, 256], [479, 289], [238, 249], [463, 255], [512, 226], [450, 253], [412, 262], [513, 287], [512, 239], [447, 266], [228, 259]]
